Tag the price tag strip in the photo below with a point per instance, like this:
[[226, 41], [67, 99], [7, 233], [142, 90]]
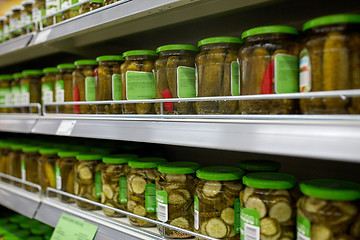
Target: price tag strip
[[65, 128]]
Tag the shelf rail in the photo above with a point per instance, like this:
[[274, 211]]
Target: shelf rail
[[21, 181], [29, 106], [164, 225]]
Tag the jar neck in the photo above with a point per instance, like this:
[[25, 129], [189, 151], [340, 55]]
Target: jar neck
[[85, 66], [220, 46], [66, 70], [109, 63], [330, 28], [177, 53], [270, 37]]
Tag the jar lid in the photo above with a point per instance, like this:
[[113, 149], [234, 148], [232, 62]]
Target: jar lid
[[50, 70], [48, 150], [179, 167], [6, 77], [332, 19], [17, 146], [269, 29], [32, 72], [10, 227], [220, 173], [16, 8], [110, 58], [119, 158], [85, 62], [66, 66], [28, 224], [40, 229], [88, 157], [219, 40], [177, 47], [22, 233], [8, 14], [148, 162], [269, 180], [259, 165], [2, 18], [18, 218], [27, 2], [139, 52], [331, 189], [18, 75], [30, 149], [68, 154], [5, 144]]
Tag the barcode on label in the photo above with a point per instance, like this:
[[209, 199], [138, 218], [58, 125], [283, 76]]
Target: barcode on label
[[48, 97], [196, 220], [162, 212], [23, 174], [60, 95], [302, 237], [252, 232], [58, 182]]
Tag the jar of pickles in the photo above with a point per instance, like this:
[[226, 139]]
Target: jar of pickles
[[7, 26], [48, 87], [269, 65], [142, 189], [251, 166], [5, 92], [90, 6], [5, 148], [328, 209], [29, 166], [16, 98], [84, 84], [218, 74], [216, 202], [15, 161], [268, 206], [72, 12], [15, 24], [30, 86], [38, 12], [108, 2], [114, 185], [174, 197], [109, 83], [63, 87], [138, 81], [88, 179], [26, 17], [65, 174], [328, 61], [2, 22], [52, 6], [46, 169], [175, 77]]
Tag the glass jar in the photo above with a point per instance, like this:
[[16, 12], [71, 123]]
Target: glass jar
[[269, 65], [252, 166], [114, 186], [88, 179], [63, 87], [329, 61], [175, 77], [15, 160], [7, 26], [30, 86], [48, 87], [90, 6], [2, 23], [108, 2], [65, 174], [218, 74], [16, 98], [46, 169], [52, 6], [73, 12], [109, 83], [141, 187], [38, 12], [84, 85], [29, 166], [5, 92], [174, 197], [15, 24], [26, 17], [216, 202], [4, 157], [328, 209], [138, 81], [268, 199]]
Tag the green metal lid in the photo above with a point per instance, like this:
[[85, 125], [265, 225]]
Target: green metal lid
[[85, 62], [50, 70], [110, 58], [11, 236], [6, 77], [88, 157], [66, 66], [18, 75], [5, 144], [22, 233], [32, 72], [220, 173], [331, 189], [148, 162], [213, 40], [269, 29], [48, 150], [68, 154], [40, 229], [28, 224], [30, 148], [119, 158], [269, 180], [17, 146], [178, 167], [332, 19], [10, 227], [259, 165], [139, 52], [177, 47]]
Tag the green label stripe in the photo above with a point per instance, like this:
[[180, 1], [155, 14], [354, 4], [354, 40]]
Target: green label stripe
[[250, 220], [98, 185], [150, 198], [116, 87], [90, 84], [123, 190], [237, 215], [235, 78], [303, 228]]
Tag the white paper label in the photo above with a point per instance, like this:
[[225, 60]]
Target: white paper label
[[66, 127]]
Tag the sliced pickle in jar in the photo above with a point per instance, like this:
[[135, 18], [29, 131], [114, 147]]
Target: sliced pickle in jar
[[281, 211], [257, 204], [212, 188], [108, 192], [140, 210], [269, 226], [228, 216], [321, 232], [138, 185], [180, 222], [216, 228]]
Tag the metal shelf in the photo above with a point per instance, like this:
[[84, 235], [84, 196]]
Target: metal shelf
[[19, 123]]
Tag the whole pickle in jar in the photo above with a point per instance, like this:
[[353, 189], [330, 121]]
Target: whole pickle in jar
[[354, 46]]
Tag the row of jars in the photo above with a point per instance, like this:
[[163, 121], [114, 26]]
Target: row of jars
[[27, 17], [267, 63], [253, 201]]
